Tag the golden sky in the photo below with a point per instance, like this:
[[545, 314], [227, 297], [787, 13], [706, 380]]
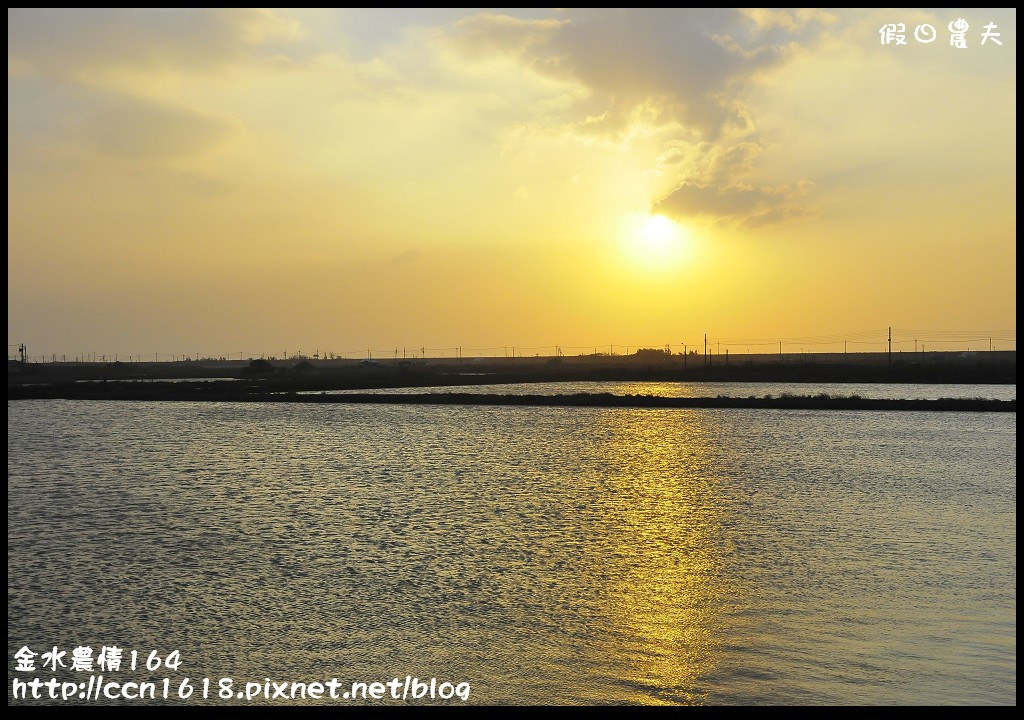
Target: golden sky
[[225, 181]]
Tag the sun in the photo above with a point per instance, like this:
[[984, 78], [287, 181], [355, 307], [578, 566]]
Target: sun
[[655, 240], [657, 233]]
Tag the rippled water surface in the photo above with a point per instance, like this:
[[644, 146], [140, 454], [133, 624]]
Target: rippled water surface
[[554, 555]]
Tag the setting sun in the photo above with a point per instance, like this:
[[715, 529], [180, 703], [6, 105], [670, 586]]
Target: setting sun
[[658, 233], [655, 240], [523, 356], [367, 153]]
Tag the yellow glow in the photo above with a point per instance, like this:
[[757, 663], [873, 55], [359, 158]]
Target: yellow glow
[[665, 587], [658, 231], [248, 154], [655, 241]]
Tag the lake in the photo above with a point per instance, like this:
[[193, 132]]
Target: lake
[[543, 555]]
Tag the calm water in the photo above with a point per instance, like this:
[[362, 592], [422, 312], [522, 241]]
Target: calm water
[[556, 555], [713, 389]]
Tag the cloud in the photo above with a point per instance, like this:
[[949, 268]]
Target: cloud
[[126, 126], [792, 21], [684, 74], [71, 42], [670, 87], [54, 119], [745, 205], [481, 35], [719, 186], [690, 64], [107, 81]]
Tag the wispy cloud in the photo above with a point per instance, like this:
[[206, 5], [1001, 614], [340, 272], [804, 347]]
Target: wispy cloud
[[685, 73]]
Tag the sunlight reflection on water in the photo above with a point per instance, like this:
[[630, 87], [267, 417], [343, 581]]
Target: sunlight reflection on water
[[556, 555]]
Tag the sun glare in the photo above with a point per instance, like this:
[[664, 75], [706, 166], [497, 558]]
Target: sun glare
[[655, 240], [657, 232]]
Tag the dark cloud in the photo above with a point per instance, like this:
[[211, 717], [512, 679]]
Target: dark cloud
[[689, 64], [67, 41], [718, 185], [684, 70], [132, 127], [745, 205]]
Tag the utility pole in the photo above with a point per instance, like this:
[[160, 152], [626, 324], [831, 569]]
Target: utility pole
[[780, 350], [684, 356], [890, 345], [844, 347], [990, 344], [705, 348]]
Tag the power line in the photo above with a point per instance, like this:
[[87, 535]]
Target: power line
[[935, 339]]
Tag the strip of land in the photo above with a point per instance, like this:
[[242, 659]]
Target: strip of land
[[319, 381], [244, 392], [797, 402], [997, 367]]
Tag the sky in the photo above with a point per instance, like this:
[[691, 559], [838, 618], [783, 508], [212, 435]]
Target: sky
[[255, 182]]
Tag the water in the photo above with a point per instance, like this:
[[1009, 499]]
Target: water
[[714, 389], [544, 555]]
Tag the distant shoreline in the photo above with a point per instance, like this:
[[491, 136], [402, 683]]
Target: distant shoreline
[[231, 392], [301, 380], [997, 367], [797, 402]]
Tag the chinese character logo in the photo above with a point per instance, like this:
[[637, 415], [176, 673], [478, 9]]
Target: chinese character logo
[[54, 659], [925, 33], [990, 35], [25, 658], [109, 658], [958, 33], [893, 34], [81, 658]]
